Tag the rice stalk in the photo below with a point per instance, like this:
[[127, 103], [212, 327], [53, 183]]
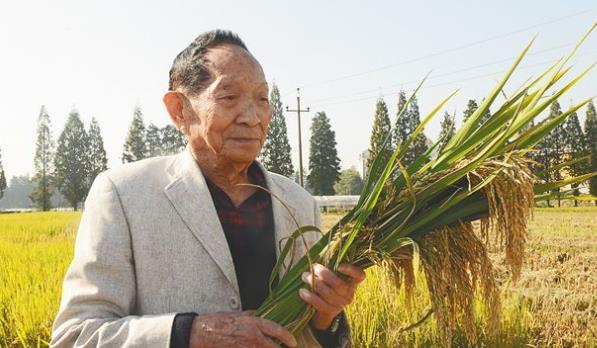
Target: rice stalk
[[426, 210]]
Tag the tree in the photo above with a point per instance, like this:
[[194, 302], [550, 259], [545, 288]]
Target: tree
[[2, 178], [18, 193], [276, 151], [575, 146], [486, 116], [172, 140], [350, 183], [556, 144], [548, 153], [153, 137], [419, 145], [471, 107], [324, 164], [70, 161], [591, 137], [541, 155], [402, 127], [43, 162], [96, 159], [380, 133], [447, 131], [135, 146]]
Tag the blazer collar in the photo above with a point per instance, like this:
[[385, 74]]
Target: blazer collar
[[190, 196]]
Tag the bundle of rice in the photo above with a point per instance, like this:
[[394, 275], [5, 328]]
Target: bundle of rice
[[425, 211]]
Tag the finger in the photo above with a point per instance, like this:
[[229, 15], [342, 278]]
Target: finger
[[274, 330], [346, 288], [355, 273], [317, 302], [328, 276], [328, 294]]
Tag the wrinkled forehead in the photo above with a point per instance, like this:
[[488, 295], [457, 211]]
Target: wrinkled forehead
[[230, 64]]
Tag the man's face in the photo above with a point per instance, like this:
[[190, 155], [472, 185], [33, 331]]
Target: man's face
[[230, 117]]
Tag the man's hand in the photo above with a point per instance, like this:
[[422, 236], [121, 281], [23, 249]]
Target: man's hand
[[235, 329], [331, 293]]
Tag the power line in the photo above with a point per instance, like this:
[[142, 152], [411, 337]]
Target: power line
[[439, 75], [446, 83], [450, 50]]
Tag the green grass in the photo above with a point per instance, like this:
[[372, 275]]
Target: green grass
[[553, 304]]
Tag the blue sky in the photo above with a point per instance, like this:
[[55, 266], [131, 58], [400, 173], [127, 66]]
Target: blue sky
[[104, 57]]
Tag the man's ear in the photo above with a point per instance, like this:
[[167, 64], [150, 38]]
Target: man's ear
[[175, 104]]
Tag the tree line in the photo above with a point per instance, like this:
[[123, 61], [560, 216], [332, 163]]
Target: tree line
[[566, 142], [67, 167], [70, 167]]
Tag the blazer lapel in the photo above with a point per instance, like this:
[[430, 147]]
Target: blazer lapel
[[191, 198], [283, 211]]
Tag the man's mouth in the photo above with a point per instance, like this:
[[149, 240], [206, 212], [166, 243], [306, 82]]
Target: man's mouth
[[245, 139]]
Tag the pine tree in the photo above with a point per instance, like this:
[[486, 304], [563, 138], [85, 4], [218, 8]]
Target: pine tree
[[173, 141], [402, 127], [486, 116], [70, 161], [324, 164], [447, 131], [420, 143], [380, 133], [574, 147], [556, 145], [97, 159], [135, 146], [154, 141], [591, 137], [276, 150], [43, 162], [471, 107], [2, 178]]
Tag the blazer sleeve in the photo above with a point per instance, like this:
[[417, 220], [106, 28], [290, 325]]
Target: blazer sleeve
[[99, 288]]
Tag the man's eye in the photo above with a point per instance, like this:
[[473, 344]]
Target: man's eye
[[228, 97], [265, 100]]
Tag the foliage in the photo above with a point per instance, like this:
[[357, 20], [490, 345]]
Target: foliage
[[44, 162], [381, 142], [97, 160], [72, 169], [135, 146], [275, 155], [350, 183], [591, 136], [324, 164]]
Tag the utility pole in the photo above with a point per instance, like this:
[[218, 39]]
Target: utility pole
[[298, 112]]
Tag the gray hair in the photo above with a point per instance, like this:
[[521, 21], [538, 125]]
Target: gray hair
[[189, 70]]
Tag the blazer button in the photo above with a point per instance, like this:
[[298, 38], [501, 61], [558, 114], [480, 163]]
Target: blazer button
[[234, 303]]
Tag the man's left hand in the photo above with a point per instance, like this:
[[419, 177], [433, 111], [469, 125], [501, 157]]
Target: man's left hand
[[330, 293]]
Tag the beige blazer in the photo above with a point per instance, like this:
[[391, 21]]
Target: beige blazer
[[150, 245]]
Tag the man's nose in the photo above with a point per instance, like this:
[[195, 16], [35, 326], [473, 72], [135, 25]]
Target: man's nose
[[249, 114]]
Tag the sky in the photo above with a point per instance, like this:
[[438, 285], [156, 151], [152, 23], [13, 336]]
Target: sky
[[104, 57]]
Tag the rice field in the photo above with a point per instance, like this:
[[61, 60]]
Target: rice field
[[552, 305]]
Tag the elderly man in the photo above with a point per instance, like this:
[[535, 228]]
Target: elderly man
[[176, 251]]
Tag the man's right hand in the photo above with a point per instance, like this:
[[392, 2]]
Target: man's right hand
[[236, 329]]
